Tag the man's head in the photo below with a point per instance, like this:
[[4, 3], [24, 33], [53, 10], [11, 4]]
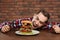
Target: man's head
[[40, 18]]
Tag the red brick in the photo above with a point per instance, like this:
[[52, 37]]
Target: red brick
[[15, 9]]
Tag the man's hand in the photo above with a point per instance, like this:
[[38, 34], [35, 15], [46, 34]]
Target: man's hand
[[56, 28], [5, 28]]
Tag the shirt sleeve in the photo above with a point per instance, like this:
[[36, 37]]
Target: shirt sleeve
[[17, 23], [0, 26], [50, 25], [14, 23], [4, 23]]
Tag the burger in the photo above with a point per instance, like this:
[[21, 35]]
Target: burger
[[26, 26]]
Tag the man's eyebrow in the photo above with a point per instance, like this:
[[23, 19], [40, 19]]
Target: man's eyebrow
[[38, 18]]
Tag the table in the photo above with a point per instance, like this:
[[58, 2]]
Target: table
[[42, 36]]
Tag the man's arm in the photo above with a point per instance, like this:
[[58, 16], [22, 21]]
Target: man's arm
[[17, 23], [6, 26], [53, 27]]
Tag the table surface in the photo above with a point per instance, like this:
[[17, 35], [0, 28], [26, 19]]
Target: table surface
[[42, 36]]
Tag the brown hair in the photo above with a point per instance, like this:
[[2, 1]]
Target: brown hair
[[45, 13]]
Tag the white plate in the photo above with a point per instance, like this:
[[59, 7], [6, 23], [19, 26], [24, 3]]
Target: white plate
[[34, 32]]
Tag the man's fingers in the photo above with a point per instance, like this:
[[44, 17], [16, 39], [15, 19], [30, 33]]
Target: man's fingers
[[5, 28]]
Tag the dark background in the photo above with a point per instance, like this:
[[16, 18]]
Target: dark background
[[15, 9]]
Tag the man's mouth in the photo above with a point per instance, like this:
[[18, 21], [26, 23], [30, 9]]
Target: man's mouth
[[35, 26]]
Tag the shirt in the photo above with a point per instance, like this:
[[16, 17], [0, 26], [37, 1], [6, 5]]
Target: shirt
[[17, 23], [14, 23]]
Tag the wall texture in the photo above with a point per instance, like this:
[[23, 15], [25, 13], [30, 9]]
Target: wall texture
[[15, 9]]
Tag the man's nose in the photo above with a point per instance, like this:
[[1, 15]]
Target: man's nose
[[37, 23]]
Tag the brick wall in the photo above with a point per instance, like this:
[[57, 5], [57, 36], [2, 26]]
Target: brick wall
[[15, 9]]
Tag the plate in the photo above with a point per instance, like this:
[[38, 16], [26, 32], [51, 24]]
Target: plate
[[34, 32]]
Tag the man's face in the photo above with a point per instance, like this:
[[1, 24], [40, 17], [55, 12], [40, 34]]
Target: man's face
[[39, 20]]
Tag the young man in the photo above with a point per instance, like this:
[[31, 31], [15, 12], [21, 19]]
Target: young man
[[39, 20]]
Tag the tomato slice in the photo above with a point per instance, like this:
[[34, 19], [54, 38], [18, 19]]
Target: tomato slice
[[24, 30]]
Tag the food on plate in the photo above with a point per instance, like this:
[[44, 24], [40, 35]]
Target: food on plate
[[26, 26]]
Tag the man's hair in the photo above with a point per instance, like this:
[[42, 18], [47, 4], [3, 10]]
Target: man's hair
[[45, 13]]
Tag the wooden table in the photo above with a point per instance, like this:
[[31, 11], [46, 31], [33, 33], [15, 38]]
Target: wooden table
[[42, 36]]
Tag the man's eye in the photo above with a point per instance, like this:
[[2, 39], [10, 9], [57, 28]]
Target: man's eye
[[37, 18]]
